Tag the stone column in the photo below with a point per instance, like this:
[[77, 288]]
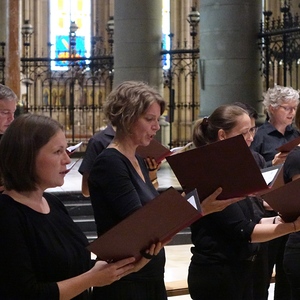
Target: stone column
[[137, 41], [229, 55], [12, 49]]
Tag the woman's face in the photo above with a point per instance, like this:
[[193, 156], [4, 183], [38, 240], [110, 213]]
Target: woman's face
[[146, 126], [51, 162], [284, 113], [244, 126]]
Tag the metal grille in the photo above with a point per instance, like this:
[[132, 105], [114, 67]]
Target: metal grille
[[280, 48]]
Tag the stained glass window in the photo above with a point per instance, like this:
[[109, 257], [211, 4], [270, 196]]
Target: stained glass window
[[66, 40], [166, 32]]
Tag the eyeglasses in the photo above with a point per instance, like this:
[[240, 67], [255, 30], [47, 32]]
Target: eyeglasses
[[288, 108], [251, 131]]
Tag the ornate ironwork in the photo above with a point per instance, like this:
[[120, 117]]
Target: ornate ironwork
[[181, 79], [74, 96], [280, 47]]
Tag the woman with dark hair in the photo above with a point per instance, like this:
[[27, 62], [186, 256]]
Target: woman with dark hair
[[43, 252], [226, 242]]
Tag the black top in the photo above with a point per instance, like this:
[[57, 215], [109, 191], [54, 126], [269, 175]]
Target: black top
[[291, 168], [37, 250], [261, 162], [225, 236], [117, 190], [97, 143], [268, 138], [291, 165]]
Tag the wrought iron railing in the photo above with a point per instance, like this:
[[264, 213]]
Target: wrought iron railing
[[280, 48], [73, 96], [181, 81]]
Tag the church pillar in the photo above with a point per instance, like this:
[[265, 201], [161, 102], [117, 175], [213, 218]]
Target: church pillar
[[229, 55], [12, 50], [137, 41]]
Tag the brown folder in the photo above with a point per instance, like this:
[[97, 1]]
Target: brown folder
[[287, 147], [228, 164], [285, 200], [158, 220], [154, 150]]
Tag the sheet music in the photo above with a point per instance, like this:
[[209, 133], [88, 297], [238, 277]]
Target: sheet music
[[269, 176]]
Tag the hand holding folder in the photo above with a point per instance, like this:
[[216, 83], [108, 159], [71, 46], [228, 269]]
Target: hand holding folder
[[228, 164], [289, 146], [154, 150], [157, 221], [285, 200]]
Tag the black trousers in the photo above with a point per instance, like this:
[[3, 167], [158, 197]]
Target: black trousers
[[291, 264], [221, 281], [276, 249], [261, 277]]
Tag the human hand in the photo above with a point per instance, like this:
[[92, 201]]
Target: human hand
[[151, 163], [297, 224], [152, 166], [277, 220], [149, 254], [279, 158], [211, 204], [106, 273]]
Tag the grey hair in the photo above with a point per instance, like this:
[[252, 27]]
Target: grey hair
[[278, 95], [7, 94]]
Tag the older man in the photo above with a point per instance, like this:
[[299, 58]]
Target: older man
[[8, 105]]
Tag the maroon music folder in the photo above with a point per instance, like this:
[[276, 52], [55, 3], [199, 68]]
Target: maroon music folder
[[228, 164], [285, 200], [158, 220], [154, 150], [289, 146], [274, 179]]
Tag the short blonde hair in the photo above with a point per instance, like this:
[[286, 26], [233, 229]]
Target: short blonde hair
[[128, 101]]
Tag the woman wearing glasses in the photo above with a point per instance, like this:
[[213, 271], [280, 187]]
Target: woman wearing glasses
[[280, 104], [226, 243]]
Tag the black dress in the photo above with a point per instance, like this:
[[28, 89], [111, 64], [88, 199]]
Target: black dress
[[116, 190], [37, 250]]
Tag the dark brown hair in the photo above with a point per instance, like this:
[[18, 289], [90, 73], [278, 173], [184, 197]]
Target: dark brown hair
[[19, 147], [224, 117]]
